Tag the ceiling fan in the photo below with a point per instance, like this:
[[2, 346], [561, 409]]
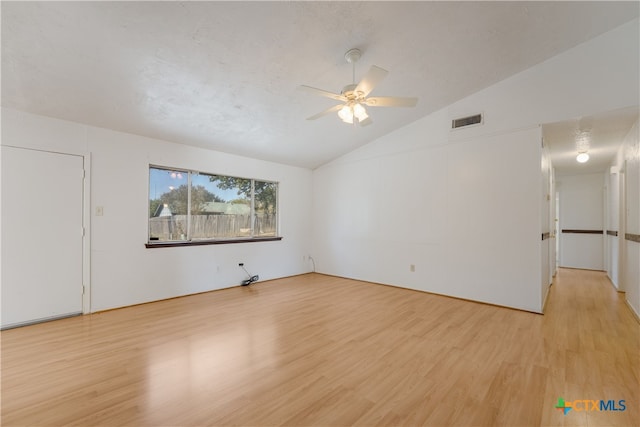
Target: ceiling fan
[[354, 97]]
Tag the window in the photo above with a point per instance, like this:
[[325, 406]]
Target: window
[[188, 207]]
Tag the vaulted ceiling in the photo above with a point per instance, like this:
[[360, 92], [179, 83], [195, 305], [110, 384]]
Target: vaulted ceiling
[[223, 75]]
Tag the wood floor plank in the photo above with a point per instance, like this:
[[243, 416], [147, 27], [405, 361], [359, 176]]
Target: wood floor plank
[[322, 350]]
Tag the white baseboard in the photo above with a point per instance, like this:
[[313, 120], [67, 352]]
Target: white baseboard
[[633, 311], [546, 297]]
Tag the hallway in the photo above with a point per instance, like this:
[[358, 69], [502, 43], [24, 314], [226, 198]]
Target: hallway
[[592, 345]]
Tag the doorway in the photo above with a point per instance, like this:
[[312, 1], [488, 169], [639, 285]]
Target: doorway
[[556, 231]]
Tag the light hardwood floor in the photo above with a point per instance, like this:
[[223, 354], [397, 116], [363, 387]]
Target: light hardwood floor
[[321, 350]]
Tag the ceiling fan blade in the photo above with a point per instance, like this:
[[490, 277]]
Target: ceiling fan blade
[[390, 101], [321, 92], [370, 80], [325, 112]]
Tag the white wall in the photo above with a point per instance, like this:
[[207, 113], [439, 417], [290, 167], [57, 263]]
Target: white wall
[[457, 212], [464, 206], [582, 208], [612, 211], [628, 162], [123, 271], [547, 244]]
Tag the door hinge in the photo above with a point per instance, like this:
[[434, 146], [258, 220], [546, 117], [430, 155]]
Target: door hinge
[[82, 231]]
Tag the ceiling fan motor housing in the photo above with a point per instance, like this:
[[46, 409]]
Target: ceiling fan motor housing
[[349, 92]]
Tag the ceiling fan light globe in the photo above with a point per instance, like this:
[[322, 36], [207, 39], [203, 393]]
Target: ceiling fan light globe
[[360, 112], [346, 114]]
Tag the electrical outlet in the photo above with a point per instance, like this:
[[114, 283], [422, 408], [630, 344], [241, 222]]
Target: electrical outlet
[[99, 210], [412, 268]]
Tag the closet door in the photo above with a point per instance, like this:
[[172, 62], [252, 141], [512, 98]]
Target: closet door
[[42, 229]]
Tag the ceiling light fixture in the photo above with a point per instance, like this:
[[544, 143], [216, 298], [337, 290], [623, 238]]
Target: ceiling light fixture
[[360, 112], [583, 142], [582, 157], [346, 114], [351, 110]]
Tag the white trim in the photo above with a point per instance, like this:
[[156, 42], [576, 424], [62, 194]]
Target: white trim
[[36, 321], [546, 297], [86, 239], [622, 228], [633, 311]]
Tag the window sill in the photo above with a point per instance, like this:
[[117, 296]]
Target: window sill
[[210, 242]]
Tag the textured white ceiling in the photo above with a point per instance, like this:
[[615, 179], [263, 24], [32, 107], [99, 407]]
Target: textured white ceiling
[[222, 75], [605, 134]]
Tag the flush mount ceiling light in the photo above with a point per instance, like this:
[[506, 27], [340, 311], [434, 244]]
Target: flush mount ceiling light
[[354, 96], [582, 157], [583, 140]]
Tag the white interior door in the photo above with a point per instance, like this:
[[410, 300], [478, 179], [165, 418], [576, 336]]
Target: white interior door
[[553, 221], [42, 228], [556, 232]]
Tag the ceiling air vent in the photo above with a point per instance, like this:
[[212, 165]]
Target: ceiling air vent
[[466, 121]]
